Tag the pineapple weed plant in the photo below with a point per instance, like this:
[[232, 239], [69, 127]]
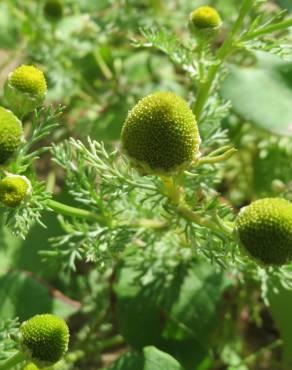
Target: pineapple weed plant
[[151, 205]]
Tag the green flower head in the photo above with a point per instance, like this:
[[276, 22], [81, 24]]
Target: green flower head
[[53, 10], [29, 79], [25, 89], [11, 134], [265, 231], [14, 189], [160, 135], [44, 339], [205, 17]]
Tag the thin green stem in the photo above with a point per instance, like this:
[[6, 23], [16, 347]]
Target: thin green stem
[[103, 66], [190, 215], [139, 185], [70, 358], [228, 228], [177, 198], [149, 224], [221, 54], [218, 158], [66, 210], [266, 30], [51, 180], [12, 361], [114, 341]]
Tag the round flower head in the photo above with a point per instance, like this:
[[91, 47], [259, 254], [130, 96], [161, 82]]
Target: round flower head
[[14, 189], [160, 135], [25, 89], [53, 10], [45, 339], [11, 134], [204, 18], [265, 231], [28, 79]]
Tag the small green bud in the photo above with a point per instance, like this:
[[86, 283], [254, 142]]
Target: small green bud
[[14, 189], [25, 89], [265, 231], [44, 339], [205, 18], [53, 10], [11, 134], [160, 135], [278, 186]]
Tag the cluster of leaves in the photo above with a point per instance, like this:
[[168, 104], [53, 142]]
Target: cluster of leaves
[[113, 192], [8, 329], [20, 219]]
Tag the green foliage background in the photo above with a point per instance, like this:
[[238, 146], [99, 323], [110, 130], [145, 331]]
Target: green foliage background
[[156, 307]]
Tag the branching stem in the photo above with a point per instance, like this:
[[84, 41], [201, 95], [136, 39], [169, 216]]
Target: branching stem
[[63, 209], [266, 30], [211, 159], [222, 53], [176, 196], [111, 342], [155, 224]]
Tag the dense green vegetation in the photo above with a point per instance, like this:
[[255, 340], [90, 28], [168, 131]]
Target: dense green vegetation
[[137, 141]]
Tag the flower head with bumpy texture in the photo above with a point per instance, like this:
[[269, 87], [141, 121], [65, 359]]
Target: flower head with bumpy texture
[[53, 10], [45, 339], [13, 190], [25, 89], [205, 17], [28, 79], [11, 134], [160, 135], [265, 230]]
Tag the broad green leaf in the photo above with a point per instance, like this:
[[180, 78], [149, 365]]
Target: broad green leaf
[[285, 4], [281, 306], [179, 317], [146, 68], [8, 36], [150, 359], [21, 295], [72, 24], [9, 245], [27, 257], [195, 309], [275, 164], [24, 255], [262, 93]]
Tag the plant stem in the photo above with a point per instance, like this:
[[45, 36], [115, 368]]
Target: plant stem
[[155, 224], [218, 158], [111, 342], [12, 361], [221, 54], [63, 209], [269, 29], [66, 210], [103, 66], [177, 198]]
